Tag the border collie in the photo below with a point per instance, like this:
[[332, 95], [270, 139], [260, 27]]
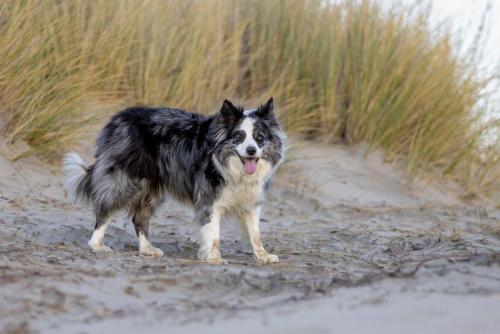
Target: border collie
[[220, 165]]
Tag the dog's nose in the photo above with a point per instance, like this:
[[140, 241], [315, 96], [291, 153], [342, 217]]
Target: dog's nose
[[251, 150]]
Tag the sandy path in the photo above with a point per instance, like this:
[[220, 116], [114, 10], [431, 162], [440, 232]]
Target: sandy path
[[360, 251]]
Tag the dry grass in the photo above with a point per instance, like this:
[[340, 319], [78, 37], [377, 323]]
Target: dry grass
[[348, 71]]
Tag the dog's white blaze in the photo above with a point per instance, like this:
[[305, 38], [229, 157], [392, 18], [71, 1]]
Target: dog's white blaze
[[247, 126], [96, 242], [249, 112]]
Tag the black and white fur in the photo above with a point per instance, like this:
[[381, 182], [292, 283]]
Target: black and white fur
[[221, 165]]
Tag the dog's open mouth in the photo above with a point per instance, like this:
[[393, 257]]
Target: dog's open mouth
[[249, 165]]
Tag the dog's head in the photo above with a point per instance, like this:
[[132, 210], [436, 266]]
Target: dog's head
[[251, 137]]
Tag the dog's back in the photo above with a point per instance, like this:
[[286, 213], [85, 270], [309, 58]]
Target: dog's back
[[137, 138], [140, 148]]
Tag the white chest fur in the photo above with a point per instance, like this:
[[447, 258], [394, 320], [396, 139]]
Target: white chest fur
[[242, 191]]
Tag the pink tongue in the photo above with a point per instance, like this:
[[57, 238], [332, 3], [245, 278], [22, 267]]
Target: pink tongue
[[250, 166]]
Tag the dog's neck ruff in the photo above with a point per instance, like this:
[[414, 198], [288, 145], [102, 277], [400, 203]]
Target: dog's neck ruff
[[242, 191]]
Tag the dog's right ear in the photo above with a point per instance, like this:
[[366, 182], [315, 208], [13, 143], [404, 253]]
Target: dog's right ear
[[230, 113]]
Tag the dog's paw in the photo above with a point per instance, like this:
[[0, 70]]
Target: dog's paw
[[100, 248], [265, 258], [211, 255], [151, 251]]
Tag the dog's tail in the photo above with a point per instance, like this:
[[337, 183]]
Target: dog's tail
[[77, 178]]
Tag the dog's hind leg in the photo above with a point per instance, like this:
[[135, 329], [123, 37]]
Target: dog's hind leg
[[96, 242], [141, 212]]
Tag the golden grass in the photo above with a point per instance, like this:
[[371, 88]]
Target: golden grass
[[347, 71]]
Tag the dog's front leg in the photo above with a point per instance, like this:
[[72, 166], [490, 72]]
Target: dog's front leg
[[209, 238], [251, 220]]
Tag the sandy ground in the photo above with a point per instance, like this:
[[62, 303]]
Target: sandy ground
[[360, 250]]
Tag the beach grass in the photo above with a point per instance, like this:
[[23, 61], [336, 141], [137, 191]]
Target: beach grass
[[348, 71]]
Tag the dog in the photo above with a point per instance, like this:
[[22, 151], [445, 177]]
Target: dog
[[220, 165]]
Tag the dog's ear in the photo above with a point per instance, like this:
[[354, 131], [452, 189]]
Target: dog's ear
[[230, 113], [267, 109]]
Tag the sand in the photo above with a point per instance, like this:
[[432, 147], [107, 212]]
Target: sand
[[362, 250]]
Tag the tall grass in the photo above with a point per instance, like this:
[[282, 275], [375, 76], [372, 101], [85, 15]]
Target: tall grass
[[348, 71]]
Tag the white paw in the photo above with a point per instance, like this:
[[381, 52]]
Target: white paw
[[211, 255], [99, 248], [266, 258], [151, 251], [271, 258]]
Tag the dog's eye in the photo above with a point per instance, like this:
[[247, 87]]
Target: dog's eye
[[239, 137], [260, 139]]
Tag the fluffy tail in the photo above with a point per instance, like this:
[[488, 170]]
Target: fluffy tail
[[77, 178]]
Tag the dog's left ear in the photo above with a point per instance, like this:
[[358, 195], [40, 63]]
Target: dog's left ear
[[267, 109], [230, 113]]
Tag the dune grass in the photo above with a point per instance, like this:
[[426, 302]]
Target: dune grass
[[347, 72]]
